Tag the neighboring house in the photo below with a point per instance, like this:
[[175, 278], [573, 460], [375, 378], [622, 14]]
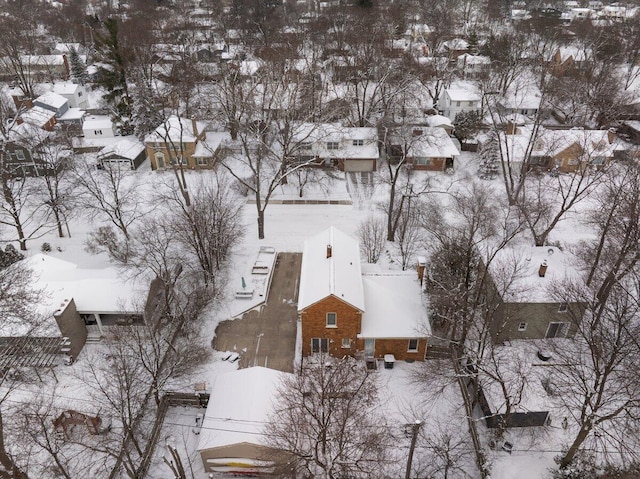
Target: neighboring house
[[455, 47], [522, 298], [473, 66], [75, 94], [85, 303], [344, 312], [347, 148], [98, 126], [522, 98], [567, 59], [459, 96], [243, 399], [631, 129], [36, 67], [440, 121], [426, 148], [128, 153], [23, 156], [180, 141], [565, 151], [54, 102], [40, 117]]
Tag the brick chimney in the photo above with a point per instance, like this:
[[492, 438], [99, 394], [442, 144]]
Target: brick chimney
[[329, 251], [543, 269], [422, 264], [194, 126]]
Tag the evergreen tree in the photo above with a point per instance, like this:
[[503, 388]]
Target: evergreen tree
[[113, 64], [78, 68]]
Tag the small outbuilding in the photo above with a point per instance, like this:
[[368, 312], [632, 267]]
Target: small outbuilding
[[231, 437]]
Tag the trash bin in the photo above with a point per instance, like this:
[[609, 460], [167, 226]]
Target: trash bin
[[389, 359]]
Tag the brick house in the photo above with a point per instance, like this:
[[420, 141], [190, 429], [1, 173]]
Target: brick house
[[179, 141], [343, 311], [523, 303], [425, 148]]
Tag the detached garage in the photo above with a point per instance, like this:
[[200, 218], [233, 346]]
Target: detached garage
[[231, 439], [127, 153]]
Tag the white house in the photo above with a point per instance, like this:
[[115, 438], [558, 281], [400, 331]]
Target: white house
[[98, 126], [53, 102], [75, 94], [459, 96]]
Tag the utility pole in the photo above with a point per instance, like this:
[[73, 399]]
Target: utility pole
[[415, 427]]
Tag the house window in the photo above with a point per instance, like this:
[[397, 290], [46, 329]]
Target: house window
[[202, 162], [79, 93], [332, 320], [598, 160], [20, 155], [413, 346], [416, 132], [97, 132], [563, 308], [179, 161], [305, 146], [457, 103], [421, 160], [573, 162], [358, 142], [522, 327], [346, 343], [333, 145], [557, 330], [319, 345]]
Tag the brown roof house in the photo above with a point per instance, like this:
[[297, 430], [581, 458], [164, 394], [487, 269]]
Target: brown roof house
[[180, 141], [522, 298], [345, 311]]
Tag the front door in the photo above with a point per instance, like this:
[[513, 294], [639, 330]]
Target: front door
[[369, 348], [319, 345], [160, 161]]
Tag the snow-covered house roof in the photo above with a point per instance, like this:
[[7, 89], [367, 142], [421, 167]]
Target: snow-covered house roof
[[128, 148], [522, 95], [65, 88], [37, 116], [571, 51], [177, 129], [331, 267], [319, 134], [463, 91], [93, 290], [432, 143], [51, 99], [97, 122], [239, 405], [516, 272], [439, 120], [394, 307]]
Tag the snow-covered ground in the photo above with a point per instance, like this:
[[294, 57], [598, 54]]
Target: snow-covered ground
[[287, 226]]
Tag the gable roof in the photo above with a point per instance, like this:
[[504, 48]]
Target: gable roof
[[239, 403], [176, 129], [339, 276]]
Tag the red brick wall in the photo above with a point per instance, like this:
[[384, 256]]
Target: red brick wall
[[398, 347], [314, 325]]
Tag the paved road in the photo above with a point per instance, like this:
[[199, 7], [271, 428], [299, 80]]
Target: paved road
[[269, 335]]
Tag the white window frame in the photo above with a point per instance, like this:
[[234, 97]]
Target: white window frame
[[333, 145], [563, 308], [358, 142], [346, 343], [409, 349], [319, 342], [335, 320], [522, 326], [201, 161]]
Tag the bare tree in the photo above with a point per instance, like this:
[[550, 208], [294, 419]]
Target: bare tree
[[111, 193], [371, 235], [327, 420], [208, 227]]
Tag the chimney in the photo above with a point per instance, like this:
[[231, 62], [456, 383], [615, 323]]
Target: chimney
[[422, 264], [511, 128], [194, 126], [329, 251], [543, 269]]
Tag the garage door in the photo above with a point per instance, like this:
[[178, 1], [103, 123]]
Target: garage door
[[358, 165]]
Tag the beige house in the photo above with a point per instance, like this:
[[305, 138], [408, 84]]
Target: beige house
[[231, 439], [180, 141]]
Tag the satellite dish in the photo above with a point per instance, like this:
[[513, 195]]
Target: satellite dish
[[550, 251]]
